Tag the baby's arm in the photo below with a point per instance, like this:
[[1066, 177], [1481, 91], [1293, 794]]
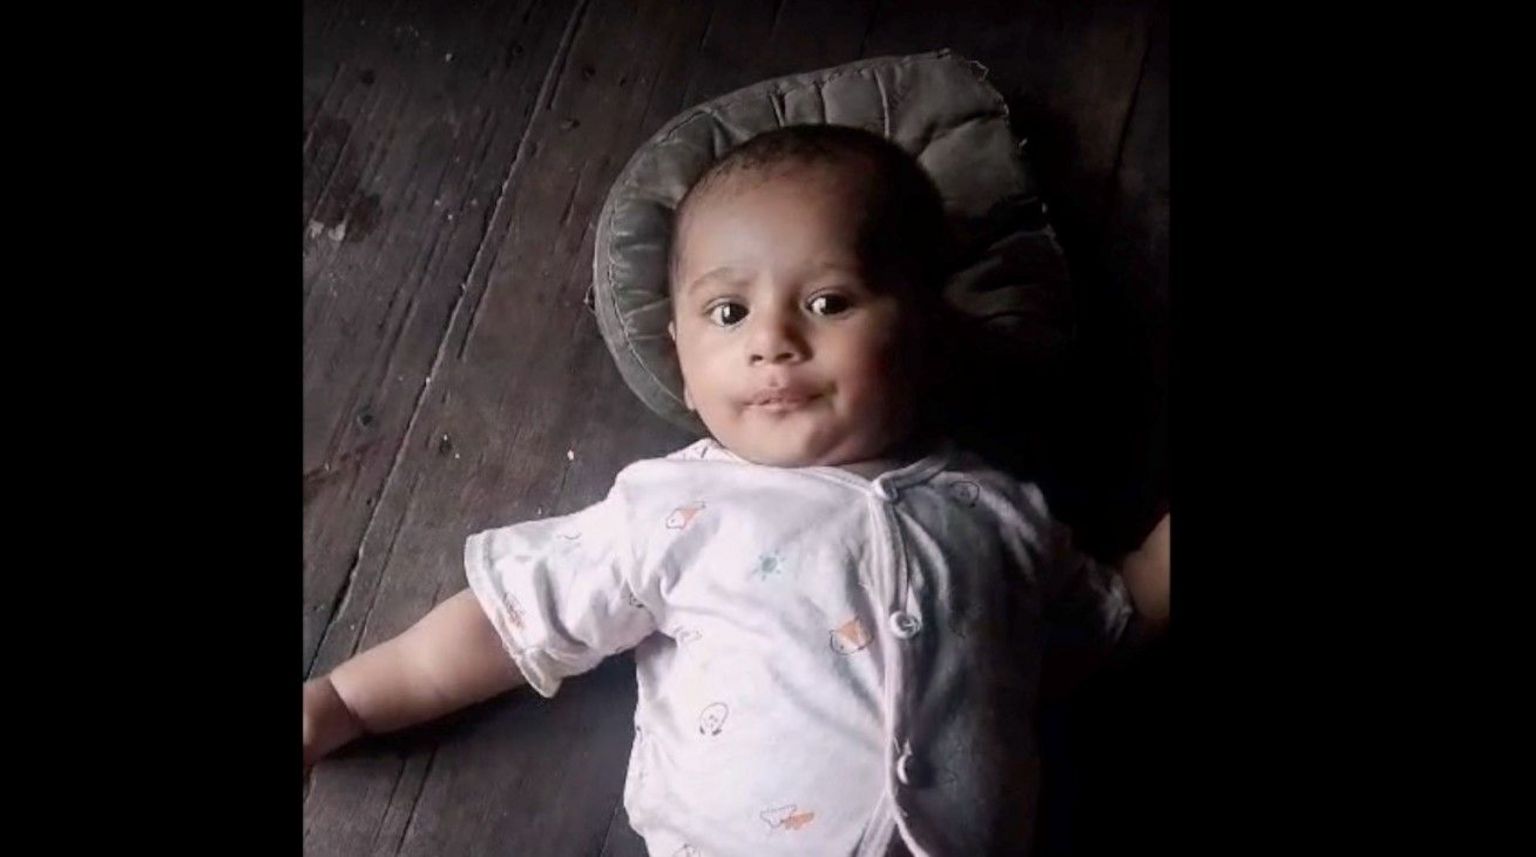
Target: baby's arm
[[1146, 572], [450, 659]]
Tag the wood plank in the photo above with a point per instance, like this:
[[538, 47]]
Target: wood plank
[[1135, 258], [519, 376], [746, 42], [475, 783], [1068, 70], [413, 115], [525, 379], [1118, 456], [1136, 244], [1091, 750], [529, 379]]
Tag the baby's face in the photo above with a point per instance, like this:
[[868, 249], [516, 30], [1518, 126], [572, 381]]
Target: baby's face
[[789, 355]]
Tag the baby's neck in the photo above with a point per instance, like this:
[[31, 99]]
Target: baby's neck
[[906, 452], [872, 468], [895, 458]]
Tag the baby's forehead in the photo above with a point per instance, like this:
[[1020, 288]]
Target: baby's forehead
[[847, 176], [845, 182], [792, 185]]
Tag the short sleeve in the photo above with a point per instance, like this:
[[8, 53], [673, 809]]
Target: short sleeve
[[1084, 599], [560, 592], [1091, 607]]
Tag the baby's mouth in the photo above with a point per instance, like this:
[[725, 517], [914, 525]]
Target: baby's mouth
[[782, 399]]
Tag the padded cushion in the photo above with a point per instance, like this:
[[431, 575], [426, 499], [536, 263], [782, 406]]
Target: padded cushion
[[937, 106]]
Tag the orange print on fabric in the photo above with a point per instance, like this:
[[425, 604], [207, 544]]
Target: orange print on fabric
[[798, 820], [849, 637], [682, 516], [786, 817]]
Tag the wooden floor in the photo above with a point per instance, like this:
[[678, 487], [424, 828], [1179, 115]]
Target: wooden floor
[[455, 157]]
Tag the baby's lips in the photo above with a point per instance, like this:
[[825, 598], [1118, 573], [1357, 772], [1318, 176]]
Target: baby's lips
[[792, 393]]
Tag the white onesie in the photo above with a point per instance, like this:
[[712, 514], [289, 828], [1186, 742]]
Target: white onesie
[[825, 662]]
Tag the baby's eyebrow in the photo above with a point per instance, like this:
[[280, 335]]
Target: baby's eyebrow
[[837, 268], [721, 273]]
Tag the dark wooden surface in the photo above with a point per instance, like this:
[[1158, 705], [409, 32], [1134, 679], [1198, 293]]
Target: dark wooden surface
[[455, 157]]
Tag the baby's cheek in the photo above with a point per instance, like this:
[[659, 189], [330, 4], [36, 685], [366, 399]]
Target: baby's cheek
[[884, 363]]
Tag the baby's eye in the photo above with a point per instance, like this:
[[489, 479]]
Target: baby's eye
[[727, 313], [830, 304]]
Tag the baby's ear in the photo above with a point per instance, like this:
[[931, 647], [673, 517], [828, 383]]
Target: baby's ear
[[672, 330]]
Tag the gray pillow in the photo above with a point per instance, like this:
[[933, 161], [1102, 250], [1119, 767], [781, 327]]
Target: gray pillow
[[1012, 277]]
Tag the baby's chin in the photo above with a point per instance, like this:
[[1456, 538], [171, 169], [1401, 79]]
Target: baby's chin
[[783, 452], [811, 439]]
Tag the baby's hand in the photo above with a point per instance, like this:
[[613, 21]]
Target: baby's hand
[[453, 657], [1146, 573], [328, 723]]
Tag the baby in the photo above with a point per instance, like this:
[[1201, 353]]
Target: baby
[[836, 616]]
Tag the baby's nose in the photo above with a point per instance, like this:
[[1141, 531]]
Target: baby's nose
[[774, 356], [774, 341]]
